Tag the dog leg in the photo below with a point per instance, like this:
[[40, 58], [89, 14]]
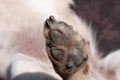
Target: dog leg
[[65, 48]]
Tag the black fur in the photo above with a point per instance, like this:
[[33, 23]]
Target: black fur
[[34, 76]]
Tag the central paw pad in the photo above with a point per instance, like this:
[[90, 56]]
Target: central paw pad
[[65, 47]]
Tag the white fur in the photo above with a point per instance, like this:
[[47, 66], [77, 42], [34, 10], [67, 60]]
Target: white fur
[[22, 21], [23, 64]]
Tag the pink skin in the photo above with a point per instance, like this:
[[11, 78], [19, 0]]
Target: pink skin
[[30, 43]]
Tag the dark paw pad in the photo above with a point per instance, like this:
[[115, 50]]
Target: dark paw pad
[[65, 47]]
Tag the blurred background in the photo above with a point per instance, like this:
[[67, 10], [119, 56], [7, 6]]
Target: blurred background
[[104, 15]]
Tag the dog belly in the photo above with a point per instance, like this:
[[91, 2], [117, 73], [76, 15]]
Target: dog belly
[[22, 38], [21, 33]]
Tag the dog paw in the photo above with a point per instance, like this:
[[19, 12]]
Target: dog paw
[[65, 47]]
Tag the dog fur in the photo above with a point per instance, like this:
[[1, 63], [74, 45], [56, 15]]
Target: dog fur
[[22, 42]]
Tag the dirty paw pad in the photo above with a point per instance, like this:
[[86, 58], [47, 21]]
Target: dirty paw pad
[[65, 47]]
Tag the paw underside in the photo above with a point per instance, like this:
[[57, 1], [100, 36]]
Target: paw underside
[[65, 47]]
